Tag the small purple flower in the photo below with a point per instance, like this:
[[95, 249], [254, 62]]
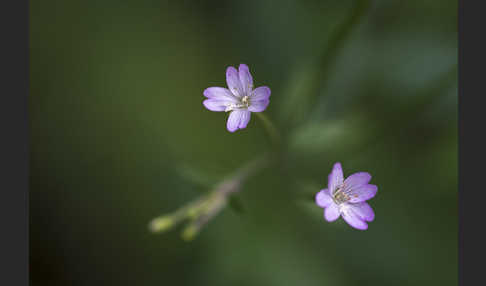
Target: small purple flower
[[347, 198], [240, 99]]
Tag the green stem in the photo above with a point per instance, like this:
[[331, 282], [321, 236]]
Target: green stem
[[270, 128], [340, 35], [218, 199], [199, 212], [297, 108]]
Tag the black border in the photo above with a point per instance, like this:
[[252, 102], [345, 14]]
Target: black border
[[471, 121], [14, 203]]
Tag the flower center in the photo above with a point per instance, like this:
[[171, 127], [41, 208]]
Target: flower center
[[244, 103], [340, 196]]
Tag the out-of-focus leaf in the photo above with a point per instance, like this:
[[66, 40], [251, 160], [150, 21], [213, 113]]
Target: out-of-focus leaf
[[196, 176], [294, 104], [327, 136]]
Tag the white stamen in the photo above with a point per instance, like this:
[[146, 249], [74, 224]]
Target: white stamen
[[243, 104], [341, 195]]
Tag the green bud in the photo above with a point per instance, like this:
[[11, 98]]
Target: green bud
[[189, 232], [162, 223]]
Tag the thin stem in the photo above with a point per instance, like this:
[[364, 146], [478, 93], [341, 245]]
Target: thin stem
[[339, 36], [217, 199], [297, 108], [200, 211], [270, 128]]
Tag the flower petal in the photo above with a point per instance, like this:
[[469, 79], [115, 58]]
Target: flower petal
[[233, 81], [237, 119], [362, 193], [357, 179], [245, 78], [245, 118], [352, 218], [220, 93], [331, 213], [258, 106], [261, 93], [364, 211], [323, 199], [216, 104], [335, 179]]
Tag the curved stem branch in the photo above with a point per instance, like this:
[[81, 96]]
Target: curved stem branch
[[270, 129], [200, 211]]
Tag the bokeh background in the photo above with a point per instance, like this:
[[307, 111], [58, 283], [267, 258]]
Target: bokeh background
[[119, 136]]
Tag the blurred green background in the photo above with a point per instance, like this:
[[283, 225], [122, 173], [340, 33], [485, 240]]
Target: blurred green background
[[118, 126]]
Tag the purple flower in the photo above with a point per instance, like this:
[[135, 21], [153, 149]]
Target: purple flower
[[347, 198], [240, 99]]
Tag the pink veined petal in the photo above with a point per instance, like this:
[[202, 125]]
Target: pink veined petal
[[353, 219], [245, 118], [323, 199], [237, 119], [364, 211], [331, 213], [335, 179], [245, 78], [357, 179], [219, 93], [233, 81], [216, 104], [261, 93], [361, 193], [258, 106]]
